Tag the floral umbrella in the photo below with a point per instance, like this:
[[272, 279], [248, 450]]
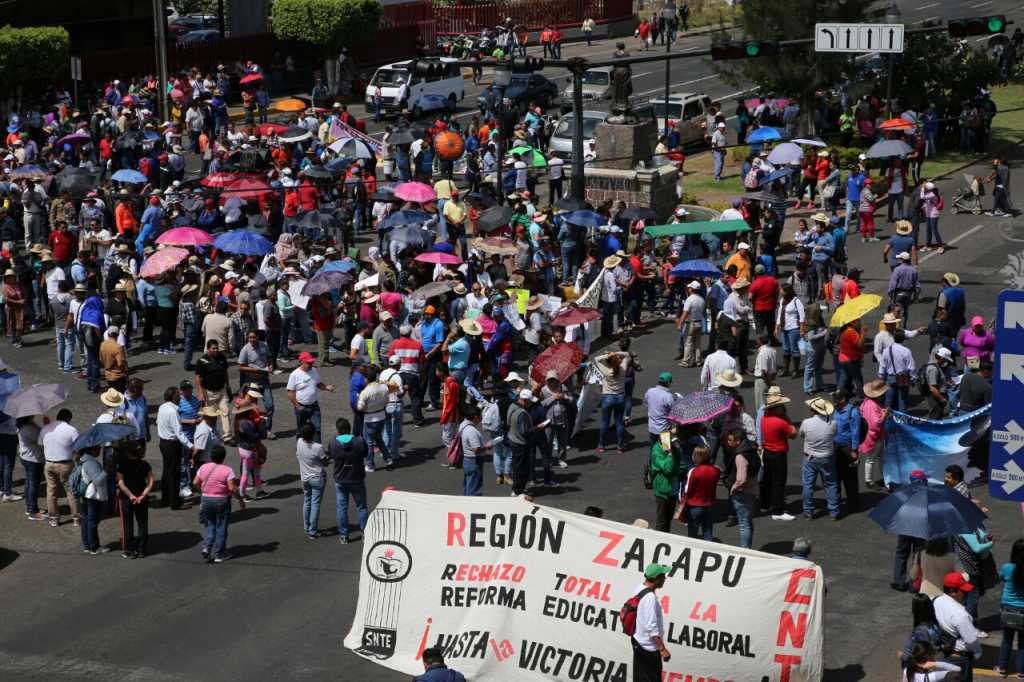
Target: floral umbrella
[[498, 245], [574, 315], [701, 406], [564, 358], [162, 261]]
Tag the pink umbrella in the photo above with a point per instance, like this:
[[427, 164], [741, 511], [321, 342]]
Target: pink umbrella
[[251, 78], [177, 95], [439, 258], [185, 236], [162, 261], [415, 191], [246, 188]]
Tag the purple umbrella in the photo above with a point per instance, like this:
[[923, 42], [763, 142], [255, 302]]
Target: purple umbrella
[[702, 406], [74, 137]]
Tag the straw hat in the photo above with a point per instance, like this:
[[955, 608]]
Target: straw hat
[[889, 318], [820, 218], [774, 390], [514, 376], [112, 398], [612, 262], [904, 227], [740, 284], [471, 327], [210, 411], [775, 400], [10, 273], [952, 278], [187, 289], [459, 290], [875, 388], [729, 378], [821, 406], [242, 409], [533, 303]]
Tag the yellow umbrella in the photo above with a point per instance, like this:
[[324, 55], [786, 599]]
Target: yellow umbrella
[[290, 105], [855, 309], [444, 189]]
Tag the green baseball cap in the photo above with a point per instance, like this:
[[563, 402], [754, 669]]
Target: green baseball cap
[[654, 570], [665, 377]]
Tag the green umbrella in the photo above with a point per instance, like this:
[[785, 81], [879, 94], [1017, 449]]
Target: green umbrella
[[532, 157]]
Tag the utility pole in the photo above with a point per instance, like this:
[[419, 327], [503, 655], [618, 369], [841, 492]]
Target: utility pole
[[669, 14], [892, 16], [160, 42], [502, 77], [577, 66]]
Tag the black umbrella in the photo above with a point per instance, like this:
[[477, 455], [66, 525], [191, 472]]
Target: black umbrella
[[385, 196], [572, 204], [493, 218], [639, 213], [130, 140], [485, 200], [401, 136], [77, 181], [413, 236], [295, 134], [764, 196], [325, 282], [320, 220], [318, 173]]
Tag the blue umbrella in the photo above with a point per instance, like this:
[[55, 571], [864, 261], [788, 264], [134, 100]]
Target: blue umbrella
[[339, 165], [34, 172], [344, 266], [764, 135], [132, 177], [585, 218], [922, 510], [772, 177], [100, 434], [399, 218], [695, 268], [243, 242]]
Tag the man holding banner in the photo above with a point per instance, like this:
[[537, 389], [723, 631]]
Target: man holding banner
[[649, 637]]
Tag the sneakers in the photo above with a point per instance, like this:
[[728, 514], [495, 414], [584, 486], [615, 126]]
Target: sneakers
[[369, 469], [221, 559], [782, 517], [12, 498], [343, 540], [205, 552], [38, 516], [185, 493], [562, 464], [271, 435], [54, 523]]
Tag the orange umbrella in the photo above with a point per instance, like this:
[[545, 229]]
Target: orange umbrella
[[896, 124], [291, 105], [449, 145]]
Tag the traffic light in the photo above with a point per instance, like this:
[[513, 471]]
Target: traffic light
[[977, 26], [428, 68], [527, 64], [744, 49]]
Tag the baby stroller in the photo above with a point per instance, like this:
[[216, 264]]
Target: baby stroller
[[968, 200]]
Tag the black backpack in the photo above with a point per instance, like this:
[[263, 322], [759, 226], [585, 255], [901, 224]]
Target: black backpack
[[921, 379]]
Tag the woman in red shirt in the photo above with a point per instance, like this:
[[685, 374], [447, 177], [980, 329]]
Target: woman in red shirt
[[851, 358], [776, 432], [699, 495]]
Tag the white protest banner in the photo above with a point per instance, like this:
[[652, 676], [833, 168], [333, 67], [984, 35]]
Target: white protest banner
[[513, 591], [299, 299]]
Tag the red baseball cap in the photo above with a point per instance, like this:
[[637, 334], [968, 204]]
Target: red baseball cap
[[955, 581], [306, 357]]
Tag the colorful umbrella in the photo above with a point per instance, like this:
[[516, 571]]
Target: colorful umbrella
[[896, 124], [564, 358], [36, 399], [926, 511], [162, 261], [449, 145], [415, 191], [246, 188], [439, 258], [290, 105], [854, 309], [698, 407], [74, 138], [132, 177], [345, 265], [432, 289], [185, 236], [498, 245], [244, 243], [251, 78], [532, 157], [574, 315], [695, 268], [268, 129]]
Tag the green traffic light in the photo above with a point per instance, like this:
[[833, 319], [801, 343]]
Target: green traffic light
[[753, 49], [995, 24]]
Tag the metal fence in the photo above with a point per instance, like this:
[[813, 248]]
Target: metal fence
[[533, 14]]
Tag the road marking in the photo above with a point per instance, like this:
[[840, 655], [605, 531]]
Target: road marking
[[978, 40], [642, 73], [958, 238], [981, 4], [662, 88], [924, 21], [929, 5]]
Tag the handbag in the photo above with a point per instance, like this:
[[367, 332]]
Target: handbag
[[828, 191], [455, 451], [1011, 617]]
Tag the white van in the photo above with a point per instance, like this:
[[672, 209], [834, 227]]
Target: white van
[[398, 93], [685, 111]]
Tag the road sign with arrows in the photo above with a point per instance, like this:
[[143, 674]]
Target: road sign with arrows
[[1006, 475], [858, 38]]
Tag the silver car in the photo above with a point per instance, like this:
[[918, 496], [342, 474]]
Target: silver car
[[597, 87], [561, 139]]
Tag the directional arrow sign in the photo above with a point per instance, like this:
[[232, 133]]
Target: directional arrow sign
[[1006, 478], [1012, 438], [858, 38], [1012, 477]]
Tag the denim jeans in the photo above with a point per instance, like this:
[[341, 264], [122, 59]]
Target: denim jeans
[[791, 342], [92, 368], [311, 414], [1004, 649], [373, 434], [719, 159], [189, 339], [852, 224], [896, 397], [286, 335], [393, 431], [568, 263], [743, 508], [700, 523], [65, 349], [214, 514], [933, 237], [33, 477], [502, 456], [813, 380], [342, 491], [92, 511], [472, 477], [851, 377], [268, 398], [826, 468], [411, 382], [312, 493], [612, 406], [6, 472]]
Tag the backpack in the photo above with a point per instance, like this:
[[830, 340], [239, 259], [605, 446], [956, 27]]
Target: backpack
[[455, 452], [77, 483], [921, 379], [940, 204], [627, 614]]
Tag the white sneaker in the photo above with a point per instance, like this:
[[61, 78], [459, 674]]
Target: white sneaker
[[782, 517], [562, 464], [185, 492]]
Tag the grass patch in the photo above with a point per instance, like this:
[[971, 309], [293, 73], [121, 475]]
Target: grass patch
[[712, 13]]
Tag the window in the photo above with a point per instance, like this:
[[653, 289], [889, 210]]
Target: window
[[390, 78], [596, 78], [692, 110], [673, 109], [452, 71]]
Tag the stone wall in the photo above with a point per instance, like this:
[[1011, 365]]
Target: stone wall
[[654, 187]]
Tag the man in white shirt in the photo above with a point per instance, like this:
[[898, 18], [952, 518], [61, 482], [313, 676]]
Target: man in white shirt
[[372, 402], [610, 295], [172, 440], [715, 364], [766, 366], [206, 435], [954, 620], [719, 144], [303, 389], [555, 177], [691, 325], [392, 378], [737, 308], [649, 651], [56, 439]]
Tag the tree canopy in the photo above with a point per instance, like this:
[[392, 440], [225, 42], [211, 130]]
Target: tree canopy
[[935, 70], [33, 54], [326, 23]]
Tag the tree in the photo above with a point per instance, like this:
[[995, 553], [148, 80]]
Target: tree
[[329, 24], [32, 55], [795, 71]]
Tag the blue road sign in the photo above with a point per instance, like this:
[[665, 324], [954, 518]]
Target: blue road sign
[[1005, 470]]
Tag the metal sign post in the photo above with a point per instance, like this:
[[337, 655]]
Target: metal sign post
[[1006, 475], [76, 75]]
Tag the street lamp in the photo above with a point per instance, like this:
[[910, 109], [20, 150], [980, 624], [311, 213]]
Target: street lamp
[[892, 16], [669, 13], [502, 78]]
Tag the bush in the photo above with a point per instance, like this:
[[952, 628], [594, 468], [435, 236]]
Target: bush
[[326, 23], [32, 55]]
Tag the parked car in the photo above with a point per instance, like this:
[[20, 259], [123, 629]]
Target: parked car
[[525, 88], [400, 89], [685, 111], [597, 87], [561, 138], [194, 22], [205, 36]]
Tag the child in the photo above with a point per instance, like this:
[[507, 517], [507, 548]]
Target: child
[[449, 405]]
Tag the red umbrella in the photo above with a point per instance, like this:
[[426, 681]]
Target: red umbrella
[[246, 188], [267, 129], [218, 179], [576, 314], [896, 124], [162, 261], [251, 78], [564, 358]]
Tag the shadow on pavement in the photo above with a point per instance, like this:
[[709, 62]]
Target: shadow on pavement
[[282, 479], [848, 673], [239, 551], [284, 493], [173, 542], [7, 557], [251, 513]]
